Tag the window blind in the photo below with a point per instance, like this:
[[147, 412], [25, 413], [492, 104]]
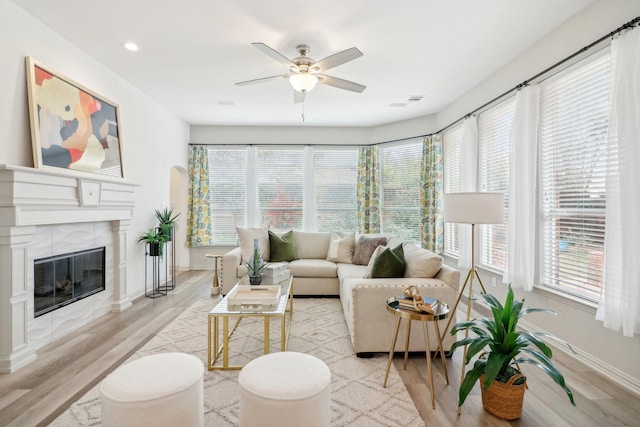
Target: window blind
[[400, 189], [336, 174], [573, 136], [280, 188], [494, 127], [451, 139], [227, 193]]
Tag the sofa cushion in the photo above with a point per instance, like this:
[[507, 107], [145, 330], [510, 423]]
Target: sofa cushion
[[350, 270], [313, 268], [341, 247], [246, 237], [389, 263], [282, 248], [312, 245], [365, 246], [421, 262], [367, 271]]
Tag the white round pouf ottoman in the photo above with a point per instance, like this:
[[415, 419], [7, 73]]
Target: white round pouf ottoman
[[159, 390], [285, 389]]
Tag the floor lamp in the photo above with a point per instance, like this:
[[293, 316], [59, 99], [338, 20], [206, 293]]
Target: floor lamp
[[471, 208]]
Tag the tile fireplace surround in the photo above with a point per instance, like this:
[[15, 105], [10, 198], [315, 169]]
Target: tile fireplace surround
[[45, 213]]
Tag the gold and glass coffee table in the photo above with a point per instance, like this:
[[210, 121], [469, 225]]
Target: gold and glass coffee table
[[282, 309]]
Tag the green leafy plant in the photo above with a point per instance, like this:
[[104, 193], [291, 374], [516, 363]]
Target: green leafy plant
[[256, 264], [507, 347], [166, 220], [155, 235]]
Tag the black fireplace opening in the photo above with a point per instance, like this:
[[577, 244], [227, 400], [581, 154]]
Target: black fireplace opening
[[62, 279]]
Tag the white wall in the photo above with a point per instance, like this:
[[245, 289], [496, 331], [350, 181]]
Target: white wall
[[601, 348], [153, 139]]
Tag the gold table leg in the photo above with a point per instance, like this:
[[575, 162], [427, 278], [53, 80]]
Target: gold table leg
[[393, 347], [441, 349], [406, 344], [428, 357]]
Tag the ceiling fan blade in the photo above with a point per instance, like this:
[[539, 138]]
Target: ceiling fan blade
[[275, 55], [337, 59], [262, 80], [298, 97], [341, 83]]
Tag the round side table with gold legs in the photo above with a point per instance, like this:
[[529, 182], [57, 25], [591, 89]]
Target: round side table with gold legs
[[215, 286], [442, 312]]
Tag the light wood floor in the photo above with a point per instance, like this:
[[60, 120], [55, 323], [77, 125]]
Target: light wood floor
[[65, 370]]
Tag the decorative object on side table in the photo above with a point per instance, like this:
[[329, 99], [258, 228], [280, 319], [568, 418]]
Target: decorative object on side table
[[498, 370], [215, 287], [255, 265]]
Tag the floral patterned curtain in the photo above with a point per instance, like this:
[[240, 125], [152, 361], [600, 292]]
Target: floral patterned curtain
[[368, 190], [431, 194], [199, 209]]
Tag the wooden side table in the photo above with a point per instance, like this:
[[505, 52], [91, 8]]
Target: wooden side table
[[215, 286], [402, 313]]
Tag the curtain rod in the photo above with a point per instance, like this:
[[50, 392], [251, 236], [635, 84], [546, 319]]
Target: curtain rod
[[613, 33]]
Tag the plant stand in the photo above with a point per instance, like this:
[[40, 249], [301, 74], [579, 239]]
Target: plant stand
[[170, 258], [155, 291]]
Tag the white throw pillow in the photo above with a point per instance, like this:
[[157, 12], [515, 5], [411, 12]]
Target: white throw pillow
[[341, 247], [246, 237], [369, 269], [421, 262]]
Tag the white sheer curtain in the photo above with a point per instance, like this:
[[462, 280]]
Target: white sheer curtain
[[468, 182], [523, 142], [620, 300]]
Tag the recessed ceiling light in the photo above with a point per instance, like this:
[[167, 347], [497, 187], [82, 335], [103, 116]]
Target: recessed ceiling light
[[130, 46]]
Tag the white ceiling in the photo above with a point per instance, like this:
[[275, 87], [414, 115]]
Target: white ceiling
[[193, 51]]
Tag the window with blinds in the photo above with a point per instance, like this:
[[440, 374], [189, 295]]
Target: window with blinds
[[335, 181], [227, 193], [451, 139], [280, 188], [494, 126], [573, 136], [400, 189]]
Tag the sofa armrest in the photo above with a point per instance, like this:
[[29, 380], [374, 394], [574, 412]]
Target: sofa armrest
[[229, 270], [449, 275]]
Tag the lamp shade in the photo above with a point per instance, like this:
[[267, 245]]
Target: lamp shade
[[303, 82], [474, 208]]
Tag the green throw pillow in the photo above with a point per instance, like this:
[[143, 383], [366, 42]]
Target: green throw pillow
[[390, 263], [282, 248]]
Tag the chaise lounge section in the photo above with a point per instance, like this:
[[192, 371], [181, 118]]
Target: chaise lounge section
[[335, 264]]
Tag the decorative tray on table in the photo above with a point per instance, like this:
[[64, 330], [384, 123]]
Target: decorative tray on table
[[248, 295]]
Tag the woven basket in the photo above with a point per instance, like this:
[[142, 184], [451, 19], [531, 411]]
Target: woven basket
[[504, 400]]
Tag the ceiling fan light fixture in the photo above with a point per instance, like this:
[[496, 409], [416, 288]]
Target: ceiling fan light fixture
[[303, 82]]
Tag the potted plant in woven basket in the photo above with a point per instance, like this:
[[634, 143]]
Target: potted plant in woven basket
[[502, 349]]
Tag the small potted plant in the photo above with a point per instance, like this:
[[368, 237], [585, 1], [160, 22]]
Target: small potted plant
[[255, 265], [156, 239], [166, 221], [498, 368]]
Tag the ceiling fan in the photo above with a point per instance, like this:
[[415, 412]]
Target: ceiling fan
[[305, 72]]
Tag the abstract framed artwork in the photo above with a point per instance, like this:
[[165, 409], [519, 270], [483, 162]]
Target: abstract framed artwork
[[72, 127]]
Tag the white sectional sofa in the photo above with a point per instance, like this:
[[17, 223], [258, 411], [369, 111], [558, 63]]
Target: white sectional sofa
[[363, 300]]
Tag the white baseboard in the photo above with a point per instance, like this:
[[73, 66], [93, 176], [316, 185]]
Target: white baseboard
[[603, 368]]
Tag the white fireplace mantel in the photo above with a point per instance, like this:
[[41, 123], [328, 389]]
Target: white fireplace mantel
[[33, 197]]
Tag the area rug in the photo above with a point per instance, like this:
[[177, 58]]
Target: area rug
[[319, 328]]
